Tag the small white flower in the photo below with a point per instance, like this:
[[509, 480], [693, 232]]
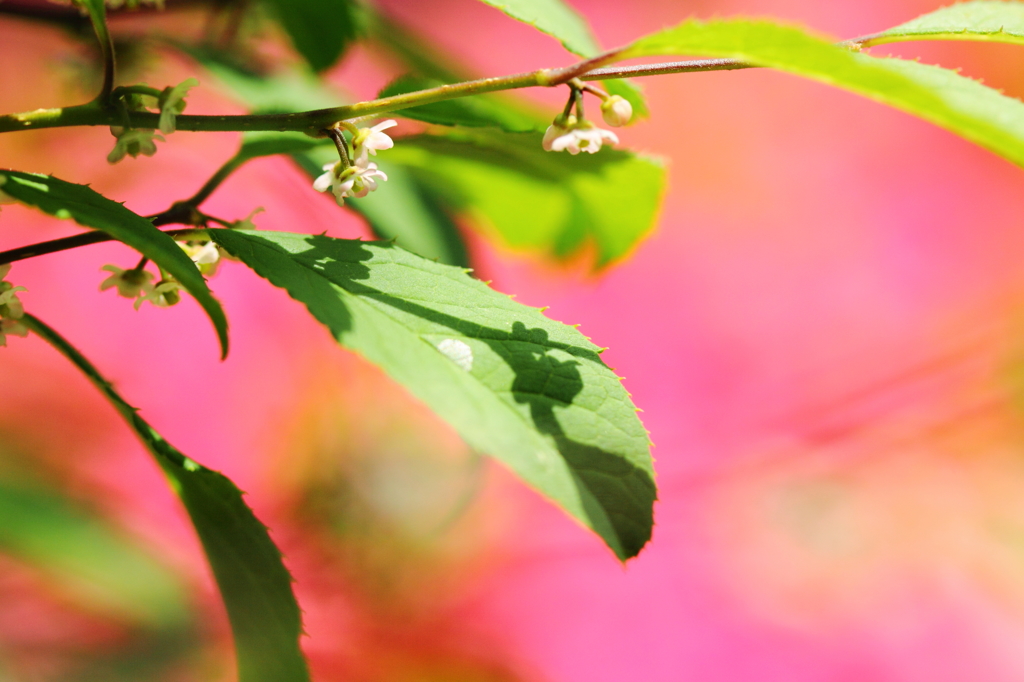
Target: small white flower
[[132, 143], [172, 103], [557, 130], [130, 283], [205, 255], [616, 111], [164, 295], [370, 141], [355, 181], [10, 304], [584, 137]]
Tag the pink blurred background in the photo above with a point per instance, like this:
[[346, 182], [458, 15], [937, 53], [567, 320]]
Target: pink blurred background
[[824, 334]]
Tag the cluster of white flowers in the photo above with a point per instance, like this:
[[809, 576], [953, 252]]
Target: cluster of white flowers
[[137, 283], [11, 310], [360, 178], [567, 133], [575, 136]]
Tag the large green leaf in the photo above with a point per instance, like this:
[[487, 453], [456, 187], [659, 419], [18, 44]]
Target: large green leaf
[[475, 111], [988, 20], [529, 391], [539, 200], [319, 29], [87, 207], [255, 585], [88, 558], [960, 105]]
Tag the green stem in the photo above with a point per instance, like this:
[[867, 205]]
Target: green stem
[[67, 243], [97, 13], [594, 69]]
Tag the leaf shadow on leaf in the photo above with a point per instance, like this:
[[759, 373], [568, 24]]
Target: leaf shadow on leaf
[[544, 382], [614, 492]]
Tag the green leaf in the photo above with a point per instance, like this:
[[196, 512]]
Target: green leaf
[[529, 391], [86, 207], [988, 20], [475, 111], [255, 585], [320, 29], [538, 200], [555, 18], [86, 556], [960, 105]]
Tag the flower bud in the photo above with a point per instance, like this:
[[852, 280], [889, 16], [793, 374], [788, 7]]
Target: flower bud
[[616, 111]]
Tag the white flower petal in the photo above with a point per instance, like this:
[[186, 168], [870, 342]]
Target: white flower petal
[[323, 183]]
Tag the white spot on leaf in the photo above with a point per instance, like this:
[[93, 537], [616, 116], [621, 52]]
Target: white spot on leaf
[[458, 352]]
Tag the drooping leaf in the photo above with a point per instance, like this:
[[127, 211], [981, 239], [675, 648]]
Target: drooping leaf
[[86, 556], [529, 391], [960, 105], [475, 111], [986, 20], [537, 200], [88, 208], [253, 581], [320, 30]]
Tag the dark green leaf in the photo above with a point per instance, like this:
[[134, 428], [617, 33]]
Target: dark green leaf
[[529, 391], [255, 585], [540, 200], [319, 29], [960, 105], [475, 111], [987, 20], [86, 207]]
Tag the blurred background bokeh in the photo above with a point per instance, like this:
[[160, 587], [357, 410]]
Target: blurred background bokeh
[[825, 335]]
